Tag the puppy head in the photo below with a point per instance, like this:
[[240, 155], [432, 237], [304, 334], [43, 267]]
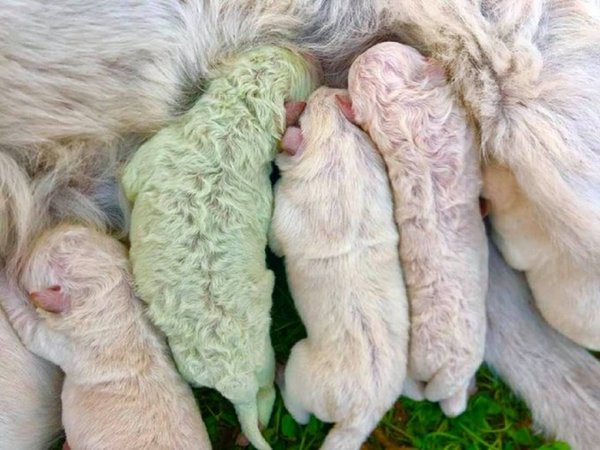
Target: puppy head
[[283, 73], [389, 73], [69, 275], [321, 133]]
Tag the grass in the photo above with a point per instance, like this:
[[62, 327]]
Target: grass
[[495, 419]]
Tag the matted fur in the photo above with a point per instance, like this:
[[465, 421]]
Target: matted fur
[[121, 388], [566, 290], [406, 105], [559, 381], [30, 400], [202, 204], [333, 223]]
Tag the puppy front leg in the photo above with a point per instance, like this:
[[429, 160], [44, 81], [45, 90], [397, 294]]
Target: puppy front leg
[[27, 324]]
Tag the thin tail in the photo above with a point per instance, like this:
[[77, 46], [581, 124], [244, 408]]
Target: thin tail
[[248, 416], [559, 381]]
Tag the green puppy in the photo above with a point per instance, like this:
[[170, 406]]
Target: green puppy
[[202, 204]]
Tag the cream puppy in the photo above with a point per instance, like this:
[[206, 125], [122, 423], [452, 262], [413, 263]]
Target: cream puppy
[[30, 394], [333, 222], [121, 388], [559, 380], [566, 289], [403, 100]]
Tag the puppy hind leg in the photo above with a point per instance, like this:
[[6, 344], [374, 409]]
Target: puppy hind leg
[[266, 391], [350, 435], [294, 388]]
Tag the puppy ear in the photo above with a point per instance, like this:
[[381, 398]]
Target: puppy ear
[[435, 71], [292, 140], [51, 299], [345, 105], [293, 110]]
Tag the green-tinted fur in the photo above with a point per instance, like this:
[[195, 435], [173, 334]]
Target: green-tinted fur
[[202, 204]]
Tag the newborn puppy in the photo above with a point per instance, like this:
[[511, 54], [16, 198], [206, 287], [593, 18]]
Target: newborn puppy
[[559, 381], [566, 289], [30, 399], [333, 222], [404, 102], [121, 389], [202, 204]]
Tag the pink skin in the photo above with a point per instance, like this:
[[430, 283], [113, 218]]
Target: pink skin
[[345, 105], [66, 446], [51, 299], [292, 138], [293, 110]]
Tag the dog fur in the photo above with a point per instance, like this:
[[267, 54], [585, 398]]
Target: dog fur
[[559, 381], [333, 223], [566, 291], [30, 401], [117, 366], [404, 102], [202, 203]]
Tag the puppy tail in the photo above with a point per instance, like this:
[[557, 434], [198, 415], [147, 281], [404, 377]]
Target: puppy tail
[[247, 413], [350, 434], [559, 381]]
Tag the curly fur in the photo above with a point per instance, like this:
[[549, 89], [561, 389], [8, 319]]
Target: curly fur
[[405, 104], [526, 72], [202, 204], [566, 291], [30, 401], [559, 381], [105, 345], [333, 222]]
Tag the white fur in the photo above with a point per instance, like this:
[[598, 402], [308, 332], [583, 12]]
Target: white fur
[[333, 222], [121, 389], [559, 381], [405, 104], [30, 399], [566, 290]]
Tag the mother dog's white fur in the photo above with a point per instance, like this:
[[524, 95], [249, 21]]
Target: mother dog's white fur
[[566, 290], [121, 388], [333, 222], [559, 381], [405, 104], [30, 394]]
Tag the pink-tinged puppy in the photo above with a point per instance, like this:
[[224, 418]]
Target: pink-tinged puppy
[[121, 389], [333, 222], [29, 393], [403, 100], [566, 289]]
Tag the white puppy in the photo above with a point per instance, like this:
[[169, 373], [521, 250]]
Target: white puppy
[[121, 388], [566, 289], [559, 381], [30, 394], [333, 222], [404, 102]]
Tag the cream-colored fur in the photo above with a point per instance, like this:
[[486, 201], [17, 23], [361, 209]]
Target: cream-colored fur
[[29, 394], [566, 290], [333, 223], [121, 389], [404, 102]]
